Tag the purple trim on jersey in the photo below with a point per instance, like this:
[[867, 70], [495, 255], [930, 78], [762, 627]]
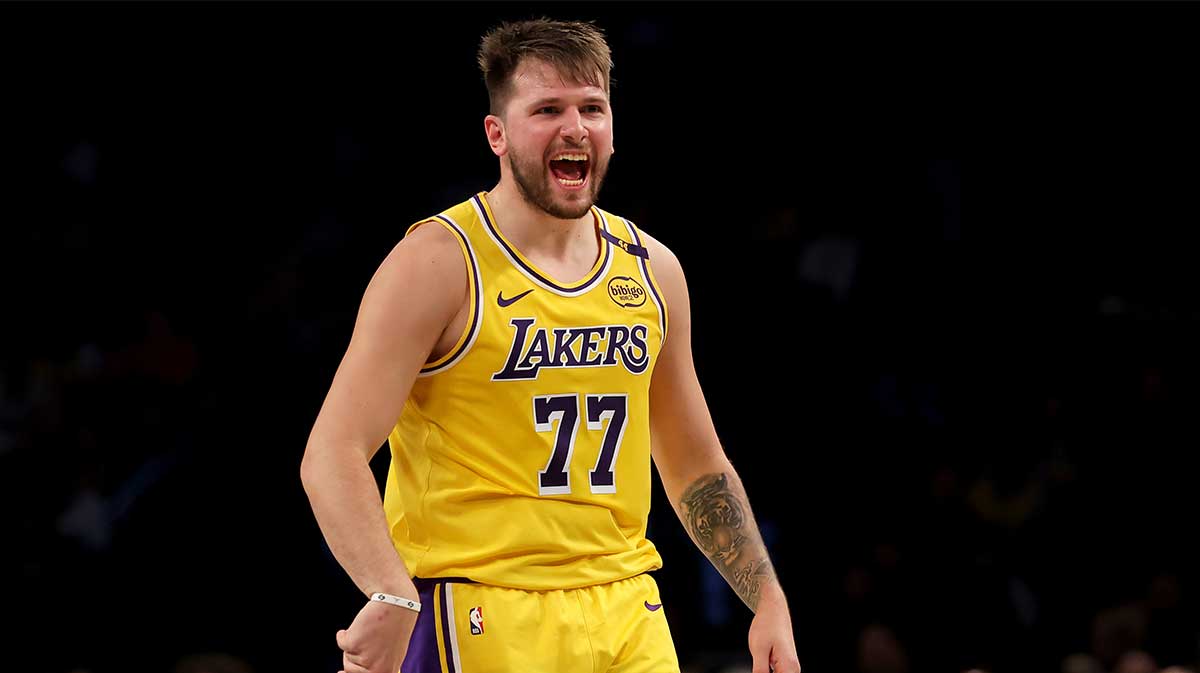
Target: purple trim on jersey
[[478, 301], [446, 617], [517, 258], [662, 311], [635, 250], [422, 655]]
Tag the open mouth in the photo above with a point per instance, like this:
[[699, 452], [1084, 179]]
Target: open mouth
[[570, 169]]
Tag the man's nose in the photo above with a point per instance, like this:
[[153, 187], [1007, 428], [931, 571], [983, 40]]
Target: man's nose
[[573, 128]]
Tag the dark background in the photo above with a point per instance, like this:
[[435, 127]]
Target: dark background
[[966, 434]]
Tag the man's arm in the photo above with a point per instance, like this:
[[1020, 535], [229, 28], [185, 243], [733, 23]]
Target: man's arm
[[701, 483], [409, 302], [699, 480]]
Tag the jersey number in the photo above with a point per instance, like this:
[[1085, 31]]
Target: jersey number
[[564, 409]]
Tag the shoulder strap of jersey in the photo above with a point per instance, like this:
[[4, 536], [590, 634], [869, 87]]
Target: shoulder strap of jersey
[[631, 248]]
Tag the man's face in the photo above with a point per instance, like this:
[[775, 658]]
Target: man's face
[[559, 139]]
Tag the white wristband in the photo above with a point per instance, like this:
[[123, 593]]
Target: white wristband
[[396, 600]]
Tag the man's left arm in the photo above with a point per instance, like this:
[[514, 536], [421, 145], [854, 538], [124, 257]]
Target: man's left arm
[[702, 484]]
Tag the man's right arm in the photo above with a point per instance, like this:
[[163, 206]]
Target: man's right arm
[[413, 296]]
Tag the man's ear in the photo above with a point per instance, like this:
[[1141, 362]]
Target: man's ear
[[493, 126]]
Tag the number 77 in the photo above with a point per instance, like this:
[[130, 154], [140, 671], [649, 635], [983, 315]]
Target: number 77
[[564, 409]]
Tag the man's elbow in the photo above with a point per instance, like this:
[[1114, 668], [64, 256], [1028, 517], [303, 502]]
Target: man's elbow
[[311, 468], [325, 460], [306, 469]]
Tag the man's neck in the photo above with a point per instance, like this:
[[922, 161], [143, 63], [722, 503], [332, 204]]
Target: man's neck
[[534, 231]]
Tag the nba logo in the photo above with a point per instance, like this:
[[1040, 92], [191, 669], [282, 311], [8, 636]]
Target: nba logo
[[476, 621]]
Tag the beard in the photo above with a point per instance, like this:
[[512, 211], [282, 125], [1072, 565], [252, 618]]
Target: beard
[[533, 181]]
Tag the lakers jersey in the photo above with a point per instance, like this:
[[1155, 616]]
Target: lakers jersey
[[522, 456]]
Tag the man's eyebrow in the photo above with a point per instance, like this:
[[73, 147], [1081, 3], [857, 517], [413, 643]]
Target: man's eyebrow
[[555, 100]]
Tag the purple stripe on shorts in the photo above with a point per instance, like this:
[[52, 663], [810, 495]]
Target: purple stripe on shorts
[[422, 655]]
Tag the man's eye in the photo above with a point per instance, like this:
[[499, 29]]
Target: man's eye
[[548, 110]]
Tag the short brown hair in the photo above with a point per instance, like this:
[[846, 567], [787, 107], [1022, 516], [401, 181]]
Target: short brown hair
[[576, 49]]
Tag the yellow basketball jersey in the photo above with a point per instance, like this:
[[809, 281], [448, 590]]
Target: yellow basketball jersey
[[522, 457]]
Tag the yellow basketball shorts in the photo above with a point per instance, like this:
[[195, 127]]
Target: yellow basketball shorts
[[466, 627]]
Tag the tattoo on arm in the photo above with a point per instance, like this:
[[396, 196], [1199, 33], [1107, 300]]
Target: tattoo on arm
[[719, 520]]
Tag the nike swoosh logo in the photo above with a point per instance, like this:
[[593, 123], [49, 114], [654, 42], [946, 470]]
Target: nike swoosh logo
[[652, 608], [508, 302]]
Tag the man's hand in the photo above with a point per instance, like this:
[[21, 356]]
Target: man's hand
[[377, 639], [771, 642]]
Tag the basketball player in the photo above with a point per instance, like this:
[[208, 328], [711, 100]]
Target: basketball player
[[526, 354]]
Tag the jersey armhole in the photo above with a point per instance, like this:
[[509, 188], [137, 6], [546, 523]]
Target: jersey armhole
[[471, 329], [648, 275]]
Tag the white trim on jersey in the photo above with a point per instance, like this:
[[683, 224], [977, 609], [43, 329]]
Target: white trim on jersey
[[642, 264], [478, 308]]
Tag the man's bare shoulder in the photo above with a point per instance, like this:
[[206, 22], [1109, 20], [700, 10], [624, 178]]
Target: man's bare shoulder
[[409, 301], [667, 269], [424, 273], [657, 249], [430, 242], [428, 255]]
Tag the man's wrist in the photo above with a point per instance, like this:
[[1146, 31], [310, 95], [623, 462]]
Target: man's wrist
[[772, 593], [398, 601], [396, 586]]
